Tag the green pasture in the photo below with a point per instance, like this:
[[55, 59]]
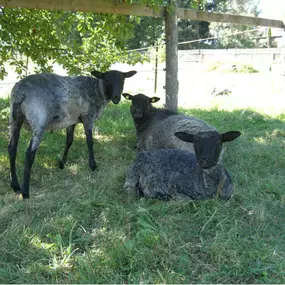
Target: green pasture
[[80, 227]]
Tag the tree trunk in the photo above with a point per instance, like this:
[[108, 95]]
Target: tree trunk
[[171, 86]]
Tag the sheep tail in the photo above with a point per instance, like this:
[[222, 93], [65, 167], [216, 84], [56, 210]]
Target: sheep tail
[[15, 106]]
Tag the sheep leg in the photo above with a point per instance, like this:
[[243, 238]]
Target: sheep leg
[[69, 141], [131, 185], [30, 156], [89, 141], [12, 150]]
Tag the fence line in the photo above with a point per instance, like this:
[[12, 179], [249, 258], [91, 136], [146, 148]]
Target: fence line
[[199, 40], [263, 59]]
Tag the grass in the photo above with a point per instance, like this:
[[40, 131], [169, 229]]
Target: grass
[[80, 227]]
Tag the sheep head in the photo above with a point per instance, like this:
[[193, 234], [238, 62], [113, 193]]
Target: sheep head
[[208, 145], [141, 104], [113, 82]]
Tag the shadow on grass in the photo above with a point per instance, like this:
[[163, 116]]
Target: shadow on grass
[[262, 140], [89, 212]]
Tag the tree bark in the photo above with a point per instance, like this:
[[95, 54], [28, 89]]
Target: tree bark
[[171, 32]]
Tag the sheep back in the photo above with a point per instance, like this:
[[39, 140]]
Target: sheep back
[[57, 101], [160, 132]]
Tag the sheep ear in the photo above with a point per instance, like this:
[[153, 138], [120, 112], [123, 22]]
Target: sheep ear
[[129, 74], [185, 137], [230, 136], [128, 96], [97, 74], [153, 99]]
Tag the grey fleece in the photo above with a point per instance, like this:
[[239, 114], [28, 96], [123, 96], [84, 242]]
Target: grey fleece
[[158, 131], [174, 174], [53, 102]]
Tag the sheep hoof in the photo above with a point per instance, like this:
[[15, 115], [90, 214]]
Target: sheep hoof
[[25, 196], [61, 164], [93, 166]]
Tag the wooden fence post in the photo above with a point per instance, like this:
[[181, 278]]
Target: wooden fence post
[[171, 82]]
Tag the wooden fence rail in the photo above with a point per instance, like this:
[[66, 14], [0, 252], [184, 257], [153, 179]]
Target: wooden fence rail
[[106, 6]]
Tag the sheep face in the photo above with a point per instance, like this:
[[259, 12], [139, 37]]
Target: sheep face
[[141, 104], [208, 145], [114, 83]]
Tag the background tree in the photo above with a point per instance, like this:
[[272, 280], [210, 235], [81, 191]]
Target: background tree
[[82, 41], [224, 31], [147, 32], [78, 41]]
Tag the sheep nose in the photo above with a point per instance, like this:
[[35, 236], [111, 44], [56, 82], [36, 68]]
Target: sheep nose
[[116, 99], [204, 159], [204, 162], [136, 112]]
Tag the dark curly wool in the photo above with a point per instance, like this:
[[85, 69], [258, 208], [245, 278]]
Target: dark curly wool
[[174, 174]]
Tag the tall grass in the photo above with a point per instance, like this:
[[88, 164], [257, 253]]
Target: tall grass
[[80, 227]]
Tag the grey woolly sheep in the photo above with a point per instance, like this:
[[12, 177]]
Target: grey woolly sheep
[[155, 127], [52, 102], [175, 173]]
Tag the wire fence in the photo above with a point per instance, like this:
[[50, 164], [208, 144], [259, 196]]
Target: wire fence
[[193, 61], [198, 40], [231, 60]]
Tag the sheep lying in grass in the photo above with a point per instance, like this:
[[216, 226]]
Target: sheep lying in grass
[[155, 127], [53, 102], [175, 173]]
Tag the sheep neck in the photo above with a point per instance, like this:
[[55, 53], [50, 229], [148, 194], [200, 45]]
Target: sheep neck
[[215, 176], [102, 91]]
